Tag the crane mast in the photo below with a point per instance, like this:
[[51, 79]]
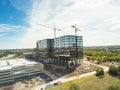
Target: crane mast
[[76, 29]]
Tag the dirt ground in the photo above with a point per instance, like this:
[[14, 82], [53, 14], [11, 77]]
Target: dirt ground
[[28, 83], [85, 68], [70, 72]]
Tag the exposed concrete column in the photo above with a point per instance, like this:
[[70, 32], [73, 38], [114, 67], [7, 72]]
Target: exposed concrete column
[[60, 61], [68, 63], [57, 60], [64, 62]]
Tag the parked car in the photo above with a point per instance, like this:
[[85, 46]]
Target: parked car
[[41, 89], [48, 86], [57, 83]]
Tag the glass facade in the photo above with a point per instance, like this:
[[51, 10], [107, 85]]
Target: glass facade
[[68, 41], [46, 47], [68, 45]]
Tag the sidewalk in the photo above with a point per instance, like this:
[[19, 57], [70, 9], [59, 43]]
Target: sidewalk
[[63, 80], [52, 76]]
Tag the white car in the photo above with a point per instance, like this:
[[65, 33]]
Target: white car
[[48, 86]]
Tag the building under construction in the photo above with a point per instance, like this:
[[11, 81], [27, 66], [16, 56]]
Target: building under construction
[[65, 50], [11, 70]]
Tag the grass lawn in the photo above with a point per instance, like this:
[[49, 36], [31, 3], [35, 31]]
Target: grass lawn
[[90, 83]]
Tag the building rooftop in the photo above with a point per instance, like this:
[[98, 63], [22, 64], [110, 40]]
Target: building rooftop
[[8, 64]]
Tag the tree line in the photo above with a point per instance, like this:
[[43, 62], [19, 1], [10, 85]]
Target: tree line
[[102, 55], [4, 54]]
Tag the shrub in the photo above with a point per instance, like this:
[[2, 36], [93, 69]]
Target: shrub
[[99, 72], [118, 71], [113, 88], [74, 87], [113, 70]]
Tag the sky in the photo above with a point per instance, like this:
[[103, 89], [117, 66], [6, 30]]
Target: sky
[[98, 20]]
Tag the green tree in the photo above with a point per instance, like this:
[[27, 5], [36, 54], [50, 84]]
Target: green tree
[[18, 55], [113, 70], [74, 87], [118, 71], [113, 88], [100, 72], [4, 54]]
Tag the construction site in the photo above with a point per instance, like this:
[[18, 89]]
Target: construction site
[[58, 57], [65, 50], [11, 70]]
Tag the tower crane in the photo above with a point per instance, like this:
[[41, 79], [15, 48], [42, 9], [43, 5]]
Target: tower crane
[[76, 29], [54, 28]]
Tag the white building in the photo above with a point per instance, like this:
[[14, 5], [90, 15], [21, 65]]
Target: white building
[[16, 68]]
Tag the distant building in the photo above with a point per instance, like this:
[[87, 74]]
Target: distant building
[[31, 55], [65, 50], [10, 70]]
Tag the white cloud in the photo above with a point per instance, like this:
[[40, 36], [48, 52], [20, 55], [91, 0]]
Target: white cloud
[[87, 14], [116, 26], [113, 22], [102, 38], [112, 19], [11, 28]]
